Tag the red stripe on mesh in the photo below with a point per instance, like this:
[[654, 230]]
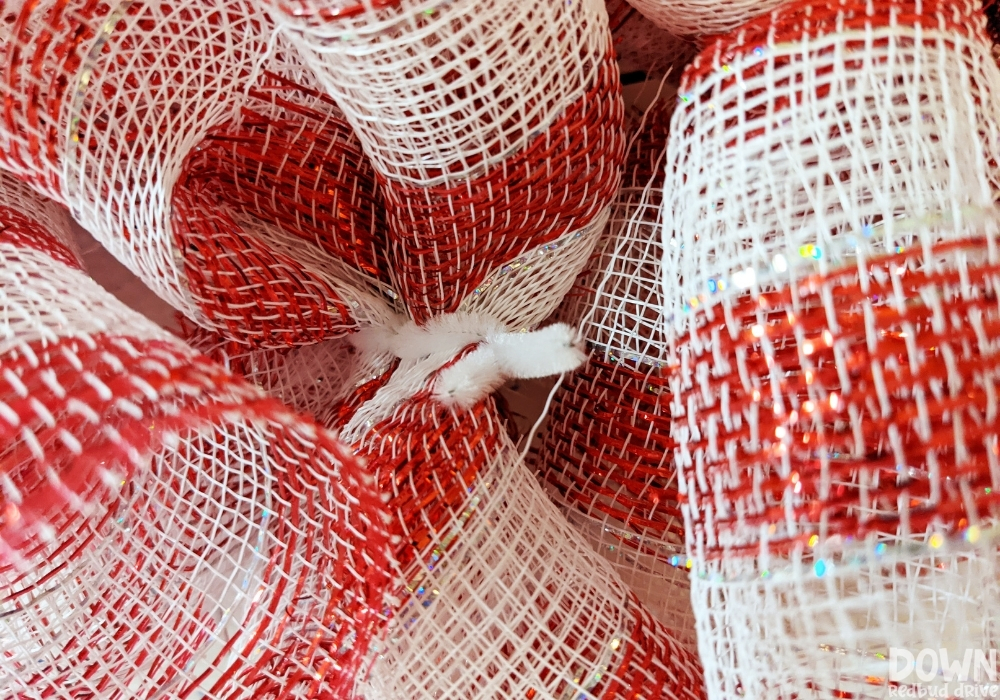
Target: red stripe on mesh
[[609, 451], [32, 108], [23, 232], [446, 239], [827, 429], [192, 395], [652, 664]]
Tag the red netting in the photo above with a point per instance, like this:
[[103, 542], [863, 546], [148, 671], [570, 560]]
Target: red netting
[[609, 451], [850, 403], [446, 239], [496, 598], [187, 531], [292, 161], [20, 231]]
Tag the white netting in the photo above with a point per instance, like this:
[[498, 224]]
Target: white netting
[[809, 133], [165, 527], [497, 596], [438, 92], [831, 263], [607, 450], [702, 17], [165, 130], [496, 128]]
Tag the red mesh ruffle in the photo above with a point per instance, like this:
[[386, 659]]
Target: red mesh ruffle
[[608, 450], [841, 407], [446, 239], [138, 397]]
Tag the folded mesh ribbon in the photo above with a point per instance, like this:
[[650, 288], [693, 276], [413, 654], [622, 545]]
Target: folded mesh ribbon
[[164, 527], [208, 165], [829, 238], [496, 130], [607, 451]]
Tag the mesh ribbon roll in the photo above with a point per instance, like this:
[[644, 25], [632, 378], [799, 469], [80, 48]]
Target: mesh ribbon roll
[[840, 458], [496, 596], [164, 527], [607, 450], [156, 126], [810, 132], [495, 129], [831, 407]]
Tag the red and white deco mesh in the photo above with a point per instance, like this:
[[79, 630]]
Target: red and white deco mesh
[[642, 46], [172, 140], [164, 527], [607, 451], [686, 18], [495, 129], [831, 255]]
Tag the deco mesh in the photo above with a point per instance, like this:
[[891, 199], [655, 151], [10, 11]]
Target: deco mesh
[[495, 128], [164, 527], [834, 299], [171, 141], [496, 595], [692, 18], [607, 451], [642, 47]]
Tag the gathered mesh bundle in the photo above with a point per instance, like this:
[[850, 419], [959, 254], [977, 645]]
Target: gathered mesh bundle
[[607, 451], [495, 130], [692, 18], [164, 527], [173, 140], [832, 267], [496, 597]]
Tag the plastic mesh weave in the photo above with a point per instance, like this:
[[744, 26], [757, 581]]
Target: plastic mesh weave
[[607, 450], [164, 526], [810, 132], [142, 116], [495, 129], [498, 597], [835, 290], [840, 460]]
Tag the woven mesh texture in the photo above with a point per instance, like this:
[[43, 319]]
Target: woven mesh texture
[[143, 121], [833, 294], [839, 454], [29, 221], [494, 128], [165, 526], [641, 46], [497, 596], [607, 451], [824, 127], [702, 17]]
